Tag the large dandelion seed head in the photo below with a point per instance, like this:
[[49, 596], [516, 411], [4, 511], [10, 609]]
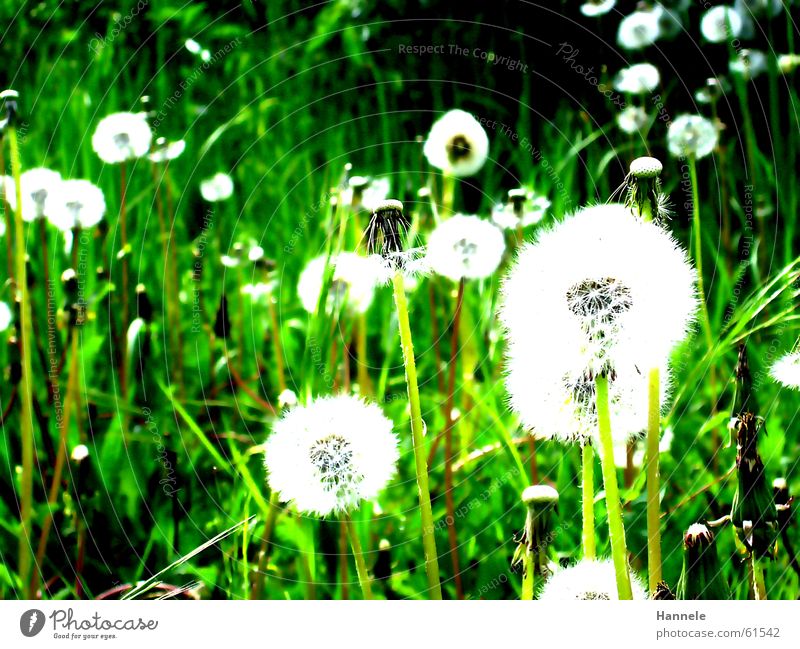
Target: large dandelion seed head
[[330, 455], [594, 8], [37, 185], [122, 136], [721, 23], [786, 370], [638, 30], [637, 79], [353, 282], [465, 247], [692, 135], [76, 203], [602, 292], [590, 580], [457, 144]]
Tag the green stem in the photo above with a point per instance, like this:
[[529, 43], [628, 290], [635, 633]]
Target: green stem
[[653, 481], [428, 539], [698, 251], [587, 483], [529, 575], [759, 587], [616, 530], [263, 554], [26, 385], [358, 555]]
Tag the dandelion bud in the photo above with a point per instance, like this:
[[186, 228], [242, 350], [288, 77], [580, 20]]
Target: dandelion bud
[[701, 576], [386, 228], [644, 189], [743, 398], [663, 592]]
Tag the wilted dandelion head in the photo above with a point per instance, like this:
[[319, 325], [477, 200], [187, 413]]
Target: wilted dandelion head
[[330, 455], [76, 204], [602, 292], [352, 285], [721, 23], [638, 30], [594, 8], [691, 136], [786, 370], [122, 136], [38, 187], [457, 144], [5, 316], [218, 187], [465, 247], [637, 79], [386, 229], [591, 580]]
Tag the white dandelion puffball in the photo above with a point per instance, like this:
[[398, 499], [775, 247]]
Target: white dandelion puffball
[[375, 192], [457, 144], [633, 119], [330, 455], [168, 151], [691, 135], [748, 64], [77, 203], [589, 579], [601, 292], [638, 30], [217, 188], [637, 79], [5, 316], [122, 136], [786, 370], [353, 282], [595, 8], [721, 23], [37, 185], [465, 247]]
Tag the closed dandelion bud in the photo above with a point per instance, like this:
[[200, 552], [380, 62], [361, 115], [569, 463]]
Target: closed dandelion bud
[[701, 576], [221, 321], [753, 513], [541, 501], [783, 502], [743, 398], [663, 592]]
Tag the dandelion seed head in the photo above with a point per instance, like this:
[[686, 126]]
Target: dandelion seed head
[[457, 144], [633, 119], [328, 456], [5, 316], [218, 187], [721, 23], [79, 453], [638, 30], [541, 493], [637, 79], [594, 8], [748, 64], [465, 247], [590, 580], [353, 282], [76, 203], [786, 370], [692, 135], [646, 167], [122, 136], [37, 185], [370, 192], [166, 151]]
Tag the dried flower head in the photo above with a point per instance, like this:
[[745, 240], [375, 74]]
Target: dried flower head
[[122, 136], [590, 580], [330, 455], [386, 228], [465, 247], [457, 144]]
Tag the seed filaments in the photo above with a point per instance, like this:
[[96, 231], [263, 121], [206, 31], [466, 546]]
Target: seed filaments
[[386, 229], [599, 300], [332, 456], [645, 197]]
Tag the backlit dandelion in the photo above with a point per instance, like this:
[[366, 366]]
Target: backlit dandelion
[[691, 136], [523, 209], [588, 580], [5, 316], [633, 119], [165, 151], [122, 136], [637, 79], [748, 64], [77, 204], [721, 23], [786, 370], [328, 456], [457, 144], [638, 30], [38, 185], [595, 8], [366, 193], [465, 247], [218, 187], [353, 282]]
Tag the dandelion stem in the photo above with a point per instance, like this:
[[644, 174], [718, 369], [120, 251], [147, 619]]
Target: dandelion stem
[[358, 555], [528, 578], [277, 347], [263, 554], [364, 382], [698, 251], [653, 481], [26, 384], [123, 229], [587, 484], [428, 539], [757, 572], [616, 529]]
